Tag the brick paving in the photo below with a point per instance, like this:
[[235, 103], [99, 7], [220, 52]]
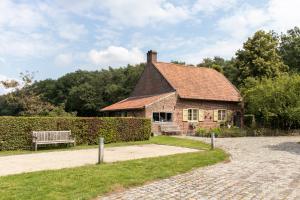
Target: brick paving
[[260, 168]]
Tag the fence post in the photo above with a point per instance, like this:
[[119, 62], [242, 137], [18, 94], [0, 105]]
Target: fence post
[[212, 140], [101, 150]]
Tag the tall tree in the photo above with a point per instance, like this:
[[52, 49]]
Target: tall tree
[[259, 57], [23, 101], [222, 65], [290, 48]]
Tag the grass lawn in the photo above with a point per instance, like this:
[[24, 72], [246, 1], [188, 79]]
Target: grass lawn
[[93, 180]]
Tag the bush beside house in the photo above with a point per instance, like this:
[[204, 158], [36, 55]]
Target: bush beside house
[[15, 132]]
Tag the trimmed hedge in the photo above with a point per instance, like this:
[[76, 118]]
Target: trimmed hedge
[[15, 132]]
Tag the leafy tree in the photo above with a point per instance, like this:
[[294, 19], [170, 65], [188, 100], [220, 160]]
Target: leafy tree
[[178, 62], [86, 92], [259, 57], [23, 101], [275, 102], [290, 48], [83, 100]]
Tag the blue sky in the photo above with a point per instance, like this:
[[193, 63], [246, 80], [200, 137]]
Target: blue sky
[[53, 37]]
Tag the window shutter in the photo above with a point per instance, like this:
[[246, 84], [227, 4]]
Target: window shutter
[[201, 115], [185, 113], [215, 115]]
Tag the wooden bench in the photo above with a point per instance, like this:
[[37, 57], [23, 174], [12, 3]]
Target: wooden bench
[[170, 128], [52, 137]]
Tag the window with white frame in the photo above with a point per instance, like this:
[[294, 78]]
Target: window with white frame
[[192, 114], [221, 115], [162, 117]]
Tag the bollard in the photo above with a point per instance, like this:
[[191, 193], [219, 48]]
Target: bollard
[[212, 140], [101, 150]]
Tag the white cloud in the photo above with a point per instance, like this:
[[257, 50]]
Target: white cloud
[[64, 60], [71, 31], [222, 48], [129, 13], [210, 6], [141, 13], [20, 16], [18, 44], [276, 15], [284, 14], [241, 23], [116, 56]]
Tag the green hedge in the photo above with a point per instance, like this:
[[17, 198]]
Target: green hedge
[[15, 132]]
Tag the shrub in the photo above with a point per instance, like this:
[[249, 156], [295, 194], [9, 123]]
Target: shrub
[[15, 132], [217, 131], [233, 132], [201, 132]]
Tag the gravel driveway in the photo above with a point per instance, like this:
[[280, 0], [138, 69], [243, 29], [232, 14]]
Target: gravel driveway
[[260, 168], [65, 159]]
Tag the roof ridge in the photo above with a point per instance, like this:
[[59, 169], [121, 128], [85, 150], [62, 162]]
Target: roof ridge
[[189, 66]]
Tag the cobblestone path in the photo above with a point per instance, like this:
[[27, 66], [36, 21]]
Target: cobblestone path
[[260, 168]]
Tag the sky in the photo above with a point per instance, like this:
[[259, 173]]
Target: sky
[[54, 37]]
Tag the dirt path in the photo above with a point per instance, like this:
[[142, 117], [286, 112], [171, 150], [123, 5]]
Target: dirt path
[[65, 159]]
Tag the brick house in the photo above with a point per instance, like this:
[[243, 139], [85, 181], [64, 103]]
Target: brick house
[[180, 96]]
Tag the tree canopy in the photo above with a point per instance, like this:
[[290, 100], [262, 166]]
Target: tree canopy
[[81, 92], [274, 102], [259, 57], [290, 48]]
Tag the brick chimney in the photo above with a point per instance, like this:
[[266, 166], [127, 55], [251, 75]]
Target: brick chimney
[[151, 56]]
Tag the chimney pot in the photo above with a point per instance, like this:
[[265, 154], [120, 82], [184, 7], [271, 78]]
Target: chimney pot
[[151, 56]]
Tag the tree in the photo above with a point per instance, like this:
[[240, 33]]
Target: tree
[[259, 57], [23, 101], [86, 92], [83, 100], [178, 62], [274, 101], [290, 48]]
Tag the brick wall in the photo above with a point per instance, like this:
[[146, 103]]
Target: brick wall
[[176, 105], [166, 104], [207, 106], [151, 82]]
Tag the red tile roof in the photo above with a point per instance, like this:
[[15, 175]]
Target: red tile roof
[[135, 102], [198, 82]]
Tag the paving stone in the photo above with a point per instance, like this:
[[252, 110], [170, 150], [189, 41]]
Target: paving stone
[[260, 168]]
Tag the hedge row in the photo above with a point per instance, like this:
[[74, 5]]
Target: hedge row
[[15, 132]]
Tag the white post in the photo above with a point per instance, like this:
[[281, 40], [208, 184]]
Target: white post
[[101, 150], [212, 140]]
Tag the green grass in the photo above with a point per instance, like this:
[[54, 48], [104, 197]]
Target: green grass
[[93, 180]]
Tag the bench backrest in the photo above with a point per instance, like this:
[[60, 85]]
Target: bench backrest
[[170, 127], [52, 135]]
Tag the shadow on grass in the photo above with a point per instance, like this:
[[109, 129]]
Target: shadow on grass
[[291, 147]]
